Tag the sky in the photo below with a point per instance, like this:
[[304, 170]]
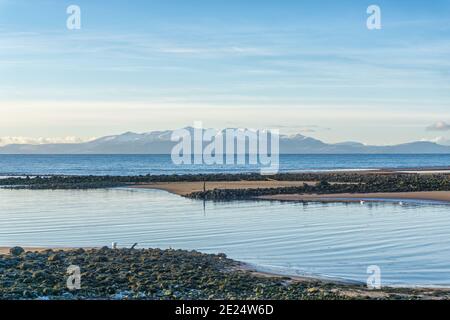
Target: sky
[[309, 67]]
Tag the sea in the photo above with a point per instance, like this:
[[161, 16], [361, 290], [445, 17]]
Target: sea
[[13, 165]]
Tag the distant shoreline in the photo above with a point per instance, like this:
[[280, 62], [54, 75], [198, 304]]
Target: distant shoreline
[[381, 170]]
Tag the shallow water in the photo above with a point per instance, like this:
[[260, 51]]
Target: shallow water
[[410, 243]]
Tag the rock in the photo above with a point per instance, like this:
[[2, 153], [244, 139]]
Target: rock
[[31, 255], [40, 275], [222, 255], [167, 292], [312, 290], [54, 257], [48, 291], [25, 266], [16, 251], [26, 294], [101, 259]]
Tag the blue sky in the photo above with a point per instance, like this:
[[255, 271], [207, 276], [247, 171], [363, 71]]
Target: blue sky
[[301, 66]]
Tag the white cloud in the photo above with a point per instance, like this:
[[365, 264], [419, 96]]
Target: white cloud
[[439, 126], [27, 140]]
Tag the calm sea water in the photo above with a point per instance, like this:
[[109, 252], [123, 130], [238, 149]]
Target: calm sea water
[[162, 164], [410, 243]]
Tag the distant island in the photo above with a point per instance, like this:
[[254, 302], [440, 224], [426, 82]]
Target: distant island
[[159, 142]]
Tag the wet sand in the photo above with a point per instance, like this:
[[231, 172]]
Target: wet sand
[[443, 196]]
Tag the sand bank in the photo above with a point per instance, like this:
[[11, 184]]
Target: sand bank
[[425, 195]]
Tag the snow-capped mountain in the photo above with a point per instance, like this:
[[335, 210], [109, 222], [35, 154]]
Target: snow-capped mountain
[[159, 142]]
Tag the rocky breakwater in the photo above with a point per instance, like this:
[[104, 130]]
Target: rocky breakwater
[[163, 274], [322, 187], [138, 274]]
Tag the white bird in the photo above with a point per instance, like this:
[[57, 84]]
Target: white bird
[[400, 203], [362, 202]]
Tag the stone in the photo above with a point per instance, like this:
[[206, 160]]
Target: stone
[[25, 266], [54, 257], [16, 251], [101, 258], [40, 275]]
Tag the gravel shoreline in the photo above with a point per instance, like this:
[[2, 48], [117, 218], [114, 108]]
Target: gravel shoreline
[[155, 274]]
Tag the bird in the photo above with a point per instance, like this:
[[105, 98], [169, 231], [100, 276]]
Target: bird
[[362, 202]]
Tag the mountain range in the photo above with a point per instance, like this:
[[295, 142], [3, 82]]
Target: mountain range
[[159, 142]]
